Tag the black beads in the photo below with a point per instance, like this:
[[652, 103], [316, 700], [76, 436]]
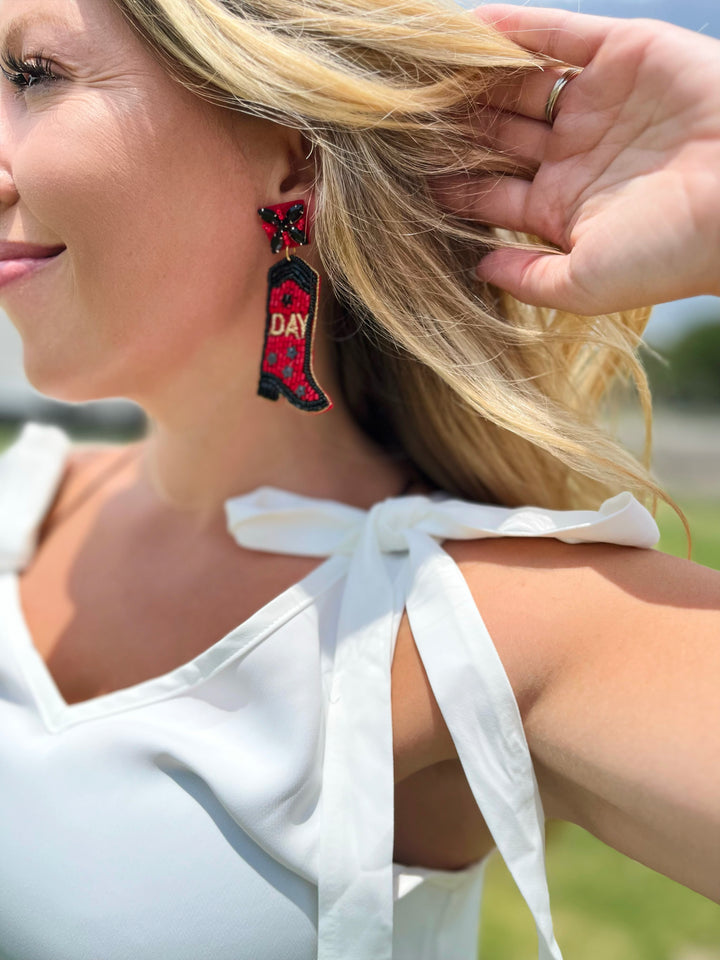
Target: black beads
[[284, 224]]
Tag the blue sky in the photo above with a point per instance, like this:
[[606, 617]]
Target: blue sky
[[669, 320], [701, 15]]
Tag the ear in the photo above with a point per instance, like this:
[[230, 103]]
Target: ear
[[300, 168]]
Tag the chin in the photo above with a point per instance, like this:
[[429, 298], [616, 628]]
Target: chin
[[60, 382]]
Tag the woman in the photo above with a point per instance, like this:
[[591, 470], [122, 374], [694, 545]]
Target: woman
[[176, 175]]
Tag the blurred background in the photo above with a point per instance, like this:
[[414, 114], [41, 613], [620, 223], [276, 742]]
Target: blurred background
[[606, 906]]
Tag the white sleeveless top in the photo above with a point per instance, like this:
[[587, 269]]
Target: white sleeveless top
[[241, 806]]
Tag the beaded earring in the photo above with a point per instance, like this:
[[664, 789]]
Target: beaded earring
[[293, 288]]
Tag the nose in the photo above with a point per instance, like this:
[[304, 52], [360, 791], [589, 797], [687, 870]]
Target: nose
[[8, 191]]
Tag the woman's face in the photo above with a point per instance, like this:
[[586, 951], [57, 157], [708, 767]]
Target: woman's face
[[147, 194]]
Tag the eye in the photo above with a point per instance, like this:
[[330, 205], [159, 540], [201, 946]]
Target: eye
[[26, 72]]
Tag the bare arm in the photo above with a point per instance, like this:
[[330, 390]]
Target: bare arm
[[614, 657]]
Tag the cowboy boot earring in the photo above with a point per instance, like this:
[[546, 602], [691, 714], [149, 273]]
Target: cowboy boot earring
[[293, 288]]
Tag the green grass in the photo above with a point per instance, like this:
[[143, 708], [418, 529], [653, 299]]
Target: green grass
[[605, 905], [79, 433], [7, 435], [704, 519]]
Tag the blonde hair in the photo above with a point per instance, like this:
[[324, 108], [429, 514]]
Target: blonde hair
[[490, 399]]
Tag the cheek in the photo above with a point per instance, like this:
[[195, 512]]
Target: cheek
[[162, 243]]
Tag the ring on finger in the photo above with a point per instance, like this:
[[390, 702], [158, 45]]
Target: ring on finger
[[560, 84]]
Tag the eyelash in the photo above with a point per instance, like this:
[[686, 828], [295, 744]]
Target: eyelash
[[27, 72]]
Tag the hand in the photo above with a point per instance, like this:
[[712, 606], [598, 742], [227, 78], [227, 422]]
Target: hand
[[627, 180]]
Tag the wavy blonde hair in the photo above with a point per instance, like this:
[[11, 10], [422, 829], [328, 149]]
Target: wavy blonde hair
[[490, 399]]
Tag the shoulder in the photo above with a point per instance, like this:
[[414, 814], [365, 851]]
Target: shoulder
[[83, 484], [34, 468], [540, 599], [547, 603], [38, 445], [597, 640], [542, 580]]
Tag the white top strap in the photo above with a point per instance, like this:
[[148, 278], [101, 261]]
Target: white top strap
[[481, 713], [30, 472], [465, 672]]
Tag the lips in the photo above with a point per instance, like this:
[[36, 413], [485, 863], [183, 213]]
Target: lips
[[21, 260], [10, 250]]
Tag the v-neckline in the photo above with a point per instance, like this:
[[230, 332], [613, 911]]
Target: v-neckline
[[57, 714]]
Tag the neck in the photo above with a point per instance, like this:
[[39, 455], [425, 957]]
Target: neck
[[212, 437], [213, 444]]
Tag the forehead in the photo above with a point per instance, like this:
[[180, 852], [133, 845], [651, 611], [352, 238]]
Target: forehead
[[91, 18]]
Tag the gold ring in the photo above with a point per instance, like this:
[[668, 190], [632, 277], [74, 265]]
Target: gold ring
[[560, 85]]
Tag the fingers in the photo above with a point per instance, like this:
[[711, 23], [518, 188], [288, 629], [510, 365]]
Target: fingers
[[571, 37], [513, 136], [526, 95], [523, 139], [499, 201], [535, 278], [500, 197]]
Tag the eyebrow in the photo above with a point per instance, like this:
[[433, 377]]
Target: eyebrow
[[20, 24]]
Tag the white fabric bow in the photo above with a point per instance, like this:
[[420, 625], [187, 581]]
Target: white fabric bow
[[465, 672]]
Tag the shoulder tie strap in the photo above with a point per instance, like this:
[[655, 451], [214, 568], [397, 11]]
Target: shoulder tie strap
[[464, 670], [30, 472]]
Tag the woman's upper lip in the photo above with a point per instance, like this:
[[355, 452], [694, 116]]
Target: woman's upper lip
[[12, 250]]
